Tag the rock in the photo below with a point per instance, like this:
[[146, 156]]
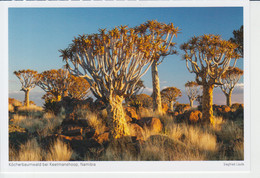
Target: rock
[[73, 131], [136, 131], [175, 113], [152, 123], [194, 116], [104, 137], [70, 138], [225, 109], [130, 111], [181, 108], [90, 132], [126, 146]]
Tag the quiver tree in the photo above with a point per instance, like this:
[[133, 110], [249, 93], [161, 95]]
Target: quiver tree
[[192, 89], [170, 95], [113, 62], [79, 89], [59, 83], [55, 83], [229, 80], [28, 79], [209, 56], [164, 33]]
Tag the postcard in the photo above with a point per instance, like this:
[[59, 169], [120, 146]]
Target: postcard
[[126, 87]]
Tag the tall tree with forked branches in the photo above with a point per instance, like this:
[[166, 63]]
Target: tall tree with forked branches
[[209, 57], [166, 33], [113, 62], [192, 89], [28, 79], [229, 80]]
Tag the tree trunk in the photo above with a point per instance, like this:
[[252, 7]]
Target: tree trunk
[[207, 102], [26, 99], [228, 98], [116, 117], [171, 106], [157, 103], [191, 103]]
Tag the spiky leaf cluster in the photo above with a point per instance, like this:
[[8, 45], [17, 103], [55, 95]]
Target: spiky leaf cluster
[[209, 56], [114, 61], [28, 78]]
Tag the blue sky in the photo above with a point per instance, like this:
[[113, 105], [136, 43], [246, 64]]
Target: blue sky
[[36, 35]]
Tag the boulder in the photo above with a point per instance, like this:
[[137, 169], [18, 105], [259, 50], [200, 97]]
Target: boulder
[[104, 137], [70, 138], [194, 116], [136, 131], [72, 131], [152, 123], [131, 112], [225, 109]]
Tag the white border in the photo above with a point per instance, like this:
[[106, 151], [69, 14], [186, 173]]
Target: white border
[[176, 166]]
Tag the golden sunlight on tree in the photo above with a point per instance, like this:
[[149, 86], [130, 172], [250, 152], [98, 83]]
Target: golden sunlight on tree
[[114, 61], [59, 83], [164, 33], [209, 57], [28, 79], [229, 80]]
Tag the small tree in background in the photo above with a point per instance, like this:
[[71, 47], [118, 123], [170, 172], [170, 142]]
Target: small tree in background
[[59, 83], [114, 61], [170, 95], [229, 80], [209, 57], [192, 90], [28, 79], [55, 83]]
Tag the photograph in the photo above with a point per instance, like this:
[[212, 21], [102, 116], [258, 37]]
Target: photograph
[[126, 84]]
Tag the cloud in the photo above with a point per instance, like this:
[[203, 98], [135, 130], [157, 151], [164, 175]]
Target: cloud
[[148, 90], [163, 87], [240, 85], [163, 82]]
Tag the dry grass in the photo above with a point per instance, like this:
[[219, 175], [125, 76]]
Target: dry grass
[[95, 122], [230, 131], [43, 126], [31, 108], [30, 123], [59, 151], [30, 151]]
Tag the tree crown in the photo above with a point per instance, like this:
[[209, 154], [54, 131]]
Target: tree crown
[[114, 61], [28, 78], [209, 56], [171, 94]]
